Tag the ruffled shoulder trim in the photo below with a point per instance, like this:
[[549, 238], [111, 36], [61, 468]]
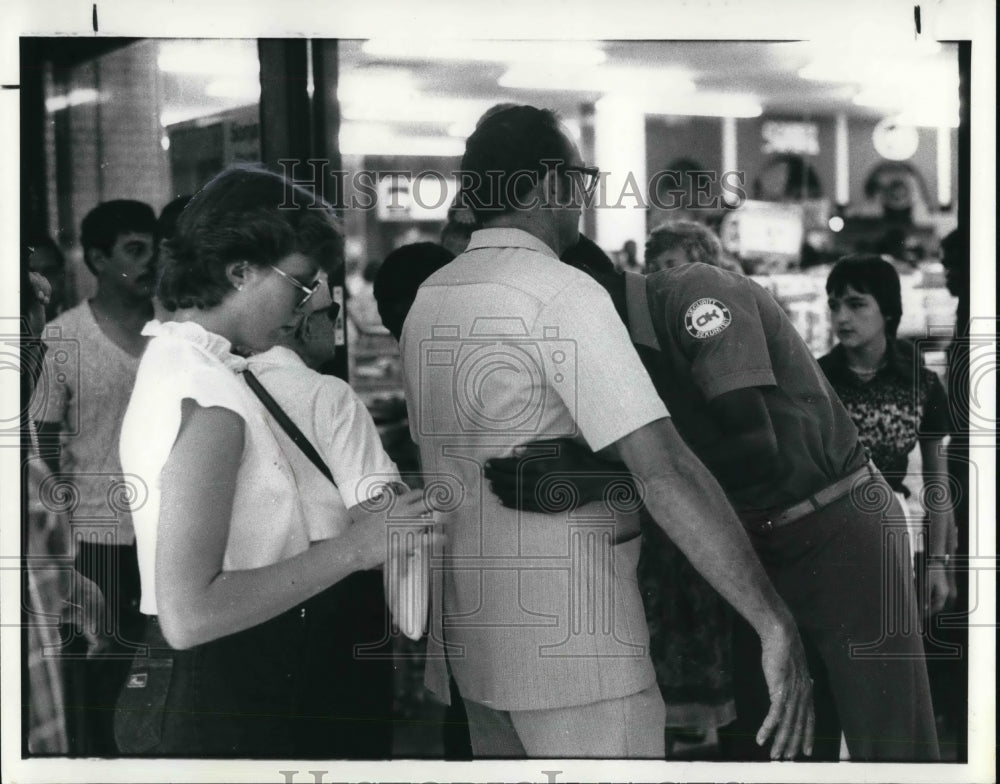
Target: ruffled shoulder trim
[[194, 333]]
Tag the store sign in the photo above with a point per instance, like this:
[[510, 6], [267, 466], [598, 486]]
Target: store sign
[[425, 196], [761, 228], [797, 138], [241, 140]]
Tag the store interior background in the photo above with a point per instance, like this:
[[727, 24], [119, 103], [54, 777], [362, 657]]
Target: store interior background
[[151, 119]]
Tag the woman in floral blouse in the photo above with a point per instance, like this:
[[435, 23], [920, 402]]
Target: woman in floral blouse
[[895, 402]]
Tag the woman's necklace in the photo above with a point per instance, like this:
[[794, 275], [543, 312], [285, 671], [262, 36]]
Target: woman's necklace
[[867, 374]]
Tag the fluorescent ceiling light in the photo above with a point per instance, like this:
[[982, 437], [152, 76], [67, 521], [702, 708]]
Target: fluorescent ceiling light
[[579, 53], [882, 70], [415, 107], [856, 43], [929, 117], [247, 90], [179, 114], [463, 130], [378, 139], [923, 114], [362, 84], [605, 79], [925, 105], [215, 57], [707, 104], [73, 98]]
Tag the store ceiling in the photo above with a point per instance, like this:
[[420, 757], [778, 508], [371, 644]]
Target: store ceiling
[[432, 91], [768, 71]]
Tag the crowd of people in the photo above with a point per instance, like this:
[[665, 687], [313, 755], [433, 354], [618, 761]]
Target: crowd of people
[[645, 510]]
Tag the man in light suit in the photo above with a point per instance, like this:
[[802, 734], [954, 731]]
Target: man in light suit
[[538, 614]]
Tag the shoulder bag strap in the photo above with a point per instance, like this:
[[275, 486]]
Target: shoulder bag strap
[[287, 424]]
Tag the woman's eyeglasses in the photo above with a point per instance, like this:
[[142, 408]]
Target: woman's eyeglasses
[[307, 291]]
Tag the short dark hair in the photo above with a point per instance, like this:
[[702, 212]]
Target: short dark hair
[[102, 226], [868, 273], [246, 213], [399, 277], [513, 143], [589, 257]]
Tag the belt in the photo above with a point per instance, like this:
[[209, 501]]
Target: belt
[[813, 503]]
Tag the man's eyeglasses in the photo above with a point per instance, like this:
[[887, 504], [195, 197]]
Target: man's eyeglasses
[[307, 291], [586, 176]]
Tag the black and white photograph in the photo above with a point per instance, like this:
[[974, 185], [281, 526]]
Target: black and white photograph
[[569, 391]]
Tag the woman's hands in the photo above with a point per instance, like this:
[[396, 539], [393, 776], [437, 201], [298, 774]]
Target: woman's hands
[[395, 510]]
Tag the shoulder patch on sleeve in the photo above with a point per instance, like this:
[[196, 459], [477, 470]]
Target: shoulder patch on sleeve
[[707, 317]]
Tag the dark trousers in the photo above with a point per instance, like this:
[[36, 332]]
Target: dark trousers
[[313, 683], [847, 578], [92, 685]]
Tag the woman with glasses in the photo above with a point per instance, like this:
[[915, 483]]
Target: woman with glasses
[[347, 623], [231, 564]]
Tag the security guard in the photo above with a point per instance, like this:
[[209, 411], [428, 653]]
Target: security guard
[[748, 397]]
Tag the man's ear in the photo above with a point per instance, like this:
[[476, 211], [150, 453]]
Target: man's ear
[[549, 188], [96, 260], [236, 274]]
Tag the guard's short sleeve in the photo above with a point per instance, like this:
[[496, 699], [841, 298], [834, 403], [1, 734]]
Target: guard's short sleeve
[[614, 395], [716, 318]]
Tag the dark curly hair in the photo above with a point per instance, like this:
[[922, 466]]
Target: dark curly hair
[[102, 226], [246, 213]]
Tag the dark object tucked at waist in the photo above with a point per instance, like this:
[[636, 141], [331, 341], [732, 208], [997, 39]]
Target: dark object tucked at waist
[[765, 522]]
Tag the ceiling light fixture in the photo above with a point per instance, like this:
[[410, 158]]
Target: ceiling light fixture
[[237, 89], [361, 84], [640, 82], [235, 57], [415, 107], [706, 104], [76, 97], [578, 53], [378, 139]]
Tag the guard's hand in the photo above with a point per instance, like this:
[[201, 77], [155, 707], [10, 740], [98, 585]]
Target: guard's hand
[[938, 588], [791, 719], [520, 481]]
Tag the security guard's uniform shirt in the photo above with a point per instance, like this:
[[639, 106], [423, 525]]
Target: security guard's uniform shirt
[[719, 331]]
